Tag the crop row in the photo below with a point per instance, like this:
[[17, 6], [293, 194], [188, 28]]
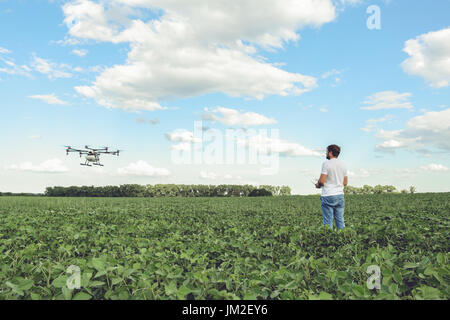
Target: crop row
[[223, 248]]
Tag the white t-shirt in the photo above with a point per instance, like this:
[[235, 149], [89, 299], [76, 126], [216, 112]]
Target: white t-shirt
[[335, 171]]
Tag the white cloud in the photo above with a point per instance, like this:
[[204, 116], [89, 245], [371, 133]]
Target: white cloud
[[194, 49], [406, 173], [48, 98], [80, 52], [51, 69], [232, 117], [430, 130], [154, 121], [182, 146], [49, 166], [323, 110], [411, 172], [388, 100], [429, 57], [184, 138], [151, 121], [264, 22], [34, 137], [362, 173], [265, 144], [208, 175], [142, 168], [333, 72], [434, 167], [247, 139], [10, 67], [336, 76], [372, 123], [182, 135], [353, 2], [4, 51]]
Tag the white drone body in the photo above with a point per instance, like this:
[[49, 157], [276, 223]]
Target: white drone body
[[93, 158], [92, 155]]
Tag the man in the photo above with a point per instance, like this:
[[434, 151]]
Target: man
[[332, 180]]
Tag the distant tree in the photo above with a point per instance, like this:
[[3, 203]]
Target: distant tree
[[390, 189], [271, 189], [404, 191], [163, 190], [367, 189], [285, 191], [412, 189], [378, 189], [260, 193]]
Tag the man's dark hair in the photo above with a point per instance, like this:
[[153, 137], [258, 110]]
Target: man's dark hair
[[334, 149]]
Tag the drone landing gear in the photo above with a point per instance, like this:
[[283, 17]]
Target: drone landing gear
[[85, 164], [98, 164]]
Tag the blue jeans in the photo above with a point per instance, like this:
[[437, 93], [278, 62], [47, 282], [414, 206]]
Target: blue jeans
[[333, 206]]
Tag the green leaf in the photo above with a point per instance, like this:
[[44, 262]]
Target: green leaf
[[35, 296], [128, 272], [98, 264], [410, 265], [440, 258], [250, 296], [26, 284], [429, 271], [398, 277], [15, 288], [183, 292], [123, 295], [429, 293], [60, 282], [82, 296], [291, 285], [96, 284], [171, 288], [67, 293], [275, 294], [325, 296], [393, 288], [358, 291], [99, 274]]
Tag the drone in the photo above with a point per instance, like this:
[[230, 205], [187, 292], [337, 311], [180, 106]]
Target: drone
[[92, 155]]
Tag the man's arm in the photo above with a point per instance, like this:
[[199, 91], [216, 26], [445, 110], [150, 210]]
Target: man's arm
[[322, 180], [323, 176], [345, 181]]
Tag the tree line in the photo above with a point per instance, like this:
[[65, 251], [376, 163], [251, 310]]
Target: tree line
[[168, 190], [20, 194], [182, 190], [378, 189]]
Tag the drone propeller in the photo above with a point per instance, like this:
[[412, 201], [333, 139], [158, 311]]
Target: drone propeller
[[67, 149]]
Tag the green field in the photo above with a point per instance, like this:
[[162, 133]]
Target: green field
[[224, 248]]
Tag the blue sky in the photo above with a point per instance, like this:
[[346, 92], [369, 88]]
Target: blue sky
[[96, 72]]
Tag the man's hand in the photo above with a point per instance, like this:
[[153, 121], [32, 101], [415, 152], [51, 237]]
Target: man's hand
[[318, 186], [322, 180]]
